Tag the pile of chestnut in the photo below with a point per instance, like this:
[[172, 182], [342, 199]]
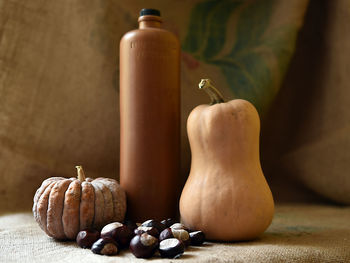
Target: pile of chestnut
[[168, 237]]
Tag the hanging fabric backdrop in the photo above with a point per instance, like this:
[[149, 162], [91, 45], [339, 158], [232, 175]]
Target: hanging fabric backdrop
[[59, 98]]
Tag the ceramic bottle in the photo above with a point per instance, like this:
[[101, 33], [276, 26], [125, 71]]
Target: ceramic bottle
[[150, 119]]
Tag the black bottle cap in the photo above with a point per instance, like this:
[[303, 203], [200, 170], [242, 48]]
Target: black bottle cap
[[149, 11]]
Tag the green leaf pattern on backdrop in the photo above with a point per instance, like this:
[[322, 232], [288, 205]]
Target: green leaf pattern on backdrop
[[245, 67]]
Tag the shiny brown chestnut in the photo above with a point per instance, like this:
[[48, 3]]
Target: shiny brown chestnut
[[86, 238], [180, 234], [105, 246], [147, 229], [144, 245], [154, 223], [171, 248], [165, 234], [197, 238], [119, 232], [168, 222]]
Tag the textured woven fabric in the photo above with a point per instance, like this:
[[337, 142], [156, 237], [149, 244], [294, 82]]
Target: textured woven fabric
[[306, 136], [299, 233], [59, 99]]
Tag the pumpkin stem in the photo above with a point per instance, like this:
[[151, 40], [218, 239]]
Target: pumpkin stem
[[80, 171], [214, 94]]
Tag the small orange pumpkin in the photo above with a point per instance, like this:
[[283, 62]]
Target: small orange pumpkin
[[64, 206]]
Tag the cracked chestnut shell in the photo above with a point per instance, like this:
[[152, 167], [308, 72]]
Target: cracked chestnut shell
[[144, 245], [105, 246]]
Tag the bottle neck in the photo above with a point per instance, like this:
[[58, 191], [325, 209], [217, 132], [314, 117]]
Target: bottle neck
[[148, 21]]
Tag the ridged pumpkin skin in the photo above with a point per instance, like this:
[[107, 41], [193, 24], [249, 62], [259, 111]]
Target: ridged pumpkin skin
[[62, 207], [226, 194]]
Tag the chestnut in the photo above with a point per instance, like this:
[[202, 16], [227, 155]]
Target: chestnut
[[180, 234], [86, 238], [171, 248], [105, 246], [197, 238], [144, 245], [168, 222], [147, 229], [119, 232], [165, 234], [179, 226], [154, 223]]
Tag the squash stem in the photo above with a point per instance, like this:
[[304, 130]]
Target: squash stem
[[214, 94], [80, 171]]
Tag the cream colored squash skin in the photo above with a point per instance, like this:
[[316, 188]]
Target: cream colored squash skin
[[226, 194], [64, 206]]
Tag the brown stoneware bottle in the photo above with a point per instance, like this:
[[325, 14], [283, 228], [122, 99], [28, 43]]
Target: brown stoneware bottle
[[150, 119]]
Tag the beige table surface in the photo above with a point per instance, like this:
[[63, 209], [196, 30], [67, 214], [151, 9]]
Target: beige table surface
[[298, 233]]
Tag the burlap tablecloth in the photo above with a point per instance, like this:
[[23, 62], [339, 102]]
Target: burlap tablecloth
[[299, 233]]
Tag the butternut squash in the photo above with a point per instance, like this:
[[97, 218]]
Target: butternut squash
[[226, 194]]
